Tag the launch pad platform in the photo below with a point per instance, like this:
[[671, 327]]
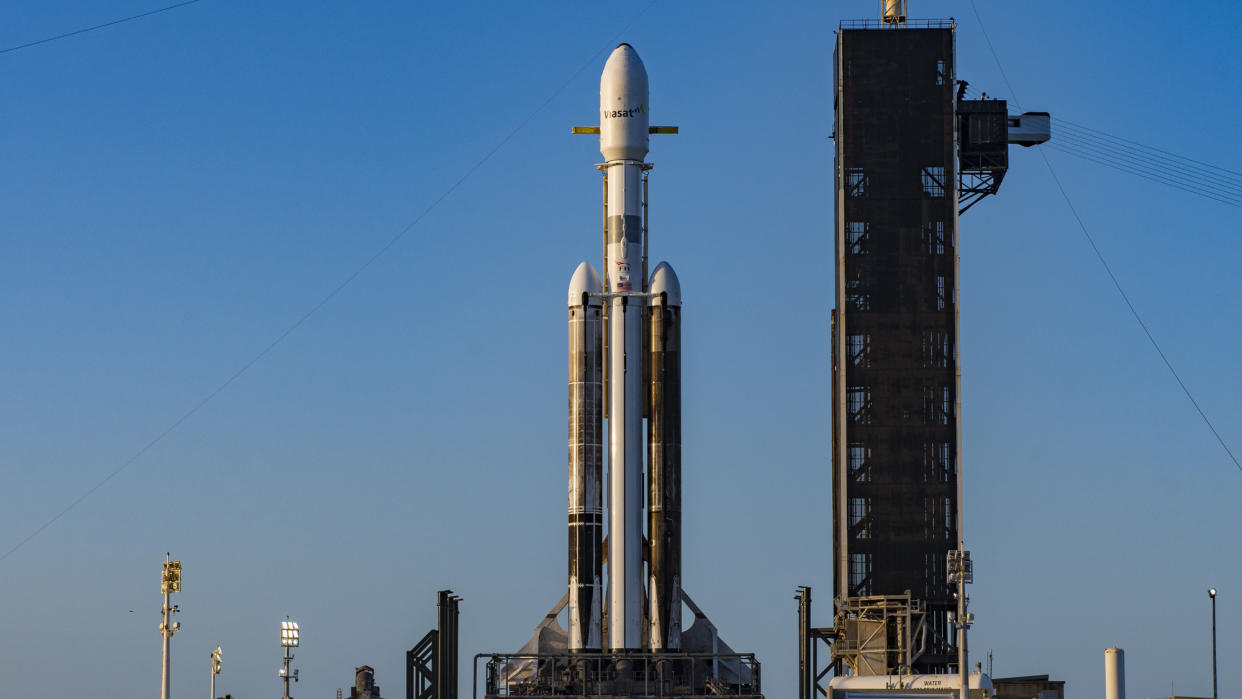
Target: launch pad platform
[[633, 675]]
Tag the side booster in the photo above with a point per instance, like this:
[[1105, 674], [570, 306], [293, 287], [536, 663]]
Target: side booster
[[624, 365]]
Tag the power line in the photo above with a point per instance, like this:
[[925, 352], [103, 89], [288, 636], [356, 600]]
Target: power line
[[99, 26], [1104, 263], [331, 294], [1121, 167], [1192, 184], [1226, 184], [1210, 180], [1136, 143], [1221, 187], [1139, 170], [1135, 312]]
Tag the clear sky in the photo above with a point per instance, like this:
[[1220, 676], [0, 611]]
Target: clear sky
[[177, 192]]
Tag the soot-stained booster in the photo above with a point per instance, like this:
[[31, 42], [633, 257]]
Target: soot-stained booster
[[624, 365]]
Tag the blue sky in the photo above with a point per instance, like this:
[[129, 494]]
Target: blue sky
[[179, 191]]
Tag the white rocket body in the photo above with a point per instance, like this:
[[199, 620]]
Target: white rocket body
[[615, 348], [623, 141]]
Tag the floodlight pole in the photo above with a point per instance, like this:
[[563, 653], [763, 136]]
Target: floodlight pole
[[170, 582], [963, 665], [289, 639], [215, 669], [288, 657], [960, 574], [166, 637]]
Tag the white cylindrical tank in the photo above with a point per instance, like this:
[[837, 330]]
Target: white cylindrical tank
[[977, 681], [1114, 673]]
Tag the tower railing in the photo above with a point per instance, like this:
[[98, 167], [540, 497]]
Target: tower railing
[[909, 24]]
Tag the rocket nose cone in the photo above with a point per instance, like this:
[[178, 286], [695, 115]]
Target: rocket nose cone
[[664, 284], [585, 281], [625, 67], [624, 106]]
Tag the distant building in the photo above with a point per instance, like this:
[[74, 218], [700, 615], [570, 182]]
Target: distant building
[[364, 684], [1028, 687]]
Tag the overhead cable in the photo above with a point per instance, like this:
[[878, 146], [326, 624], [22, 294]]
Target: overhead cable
[[98, 26], [1144, 174]]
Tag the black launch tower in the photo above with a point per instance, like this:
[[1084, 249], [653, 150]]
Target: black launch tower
[[895, 379], [912, 154]]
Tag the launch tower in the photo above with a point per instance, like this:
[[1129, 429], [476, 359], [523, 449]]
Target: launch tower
[[911, 155], [895, 374]]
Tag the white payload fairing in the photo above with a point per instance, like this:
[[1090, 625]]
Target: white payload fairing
[[624, 365]]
